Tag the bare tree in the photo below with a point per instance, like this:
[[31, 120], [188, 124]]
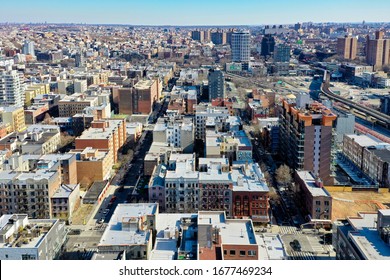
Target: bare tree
[[283, 175]]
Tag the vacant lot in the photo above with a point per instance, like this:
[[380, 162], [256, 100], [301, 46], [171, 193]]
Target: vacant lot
[[350, 203]]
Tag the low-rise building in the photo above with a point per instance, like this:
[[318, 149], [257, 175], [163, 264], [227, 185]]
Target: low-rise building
[[65, 201], [364, 237], [28, 239], [176, 131], [235, 239], [129, 231], [315, 198]]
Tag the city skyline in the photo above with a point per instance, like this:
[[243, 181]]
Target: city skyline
[[202, 12]]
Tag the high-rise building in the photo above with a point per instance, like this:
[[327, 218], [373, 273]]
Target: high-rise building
[[28, 48], [297, 26], [347, 47], [306, 138], [282, 53], [79, 59], [241, 46], [216, 84], [267, 45], [378, 50], [218, 37], [11, 88], [197, 35]]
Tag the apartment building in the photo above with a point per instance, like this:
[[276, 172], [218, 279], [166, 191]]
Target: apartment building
[[250, 192], [75, 104], [65, 201], [226, 239], [208, 116], [347, 47], [177, 131], [363, 237], [315, 198], [28, 192], [306, 137], [109, 134], [234, 145], [11, 88], [22, 238], [146, 93], [129, 232], [93, 164], [14, 118], [378, 50]]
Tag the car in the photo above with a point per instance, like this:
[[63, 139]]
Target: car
[[296, 245], [105, 212], [101, 221]]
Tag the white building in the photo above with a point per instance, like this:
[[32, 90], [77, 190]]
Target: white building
[[24, 239], [11, 88]]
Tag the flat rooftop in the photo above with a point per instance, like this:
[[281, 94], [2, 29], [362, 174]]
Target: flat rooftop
[[114, 235], [366, 237], [270, 247], [364, 140], [309, 180], [238, 232]]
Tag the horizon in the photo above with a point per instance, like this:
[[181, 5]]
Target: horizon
[[201, 13]]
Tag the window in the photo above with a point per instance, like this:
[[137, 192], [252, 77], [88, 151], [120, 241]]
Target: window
[[225, 252], [232, 252], [251, 253], [326, 203], [242, 253], [318, 202]]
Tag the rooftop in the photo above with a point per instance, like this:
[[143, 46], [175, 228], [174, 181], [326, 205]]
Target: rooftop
[[310, 184], [238, 232], [366, 238], [64, 191], [115, 235]]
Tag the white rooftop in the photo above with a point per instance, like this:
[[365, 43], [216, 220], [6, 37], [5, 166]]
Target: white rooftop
[[238, 232], [310, 184], [270, 247], [114, 235]]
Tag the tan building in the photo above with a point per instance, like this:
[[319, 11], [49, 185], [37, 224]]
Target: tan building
[[109, 134], [75, 104], [14, 116], [347, 47], [378, 51], [67, 166], [93, 164]]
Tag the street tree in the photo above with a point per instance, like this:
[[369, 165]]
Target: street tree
[[283, 175]]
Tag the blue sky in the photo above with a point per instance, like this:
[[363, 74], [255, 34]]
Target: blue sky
[[195, 12]]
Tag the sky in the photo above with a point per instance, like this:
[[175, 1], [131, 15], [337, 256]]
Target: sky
[[194, 12]]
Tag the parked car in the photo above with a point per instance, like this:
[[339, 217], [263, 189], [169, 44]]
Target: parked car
[[296, 245]]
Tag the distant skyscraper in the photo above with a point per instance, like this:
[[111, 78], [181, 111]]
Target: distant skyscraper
[[11, 88], [218, 37], [216, 84], [28, 48], [347, 47], [197, 35], [241, 46], [282, 53], [378, 50], [79, 59], [297, 26], [267, 45]]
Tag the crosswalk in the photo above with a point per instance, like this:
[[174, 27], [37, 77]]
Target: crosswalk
[[296, 255]]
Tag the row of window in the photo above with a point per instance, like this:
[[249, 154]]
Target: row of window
[[241, 253]]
